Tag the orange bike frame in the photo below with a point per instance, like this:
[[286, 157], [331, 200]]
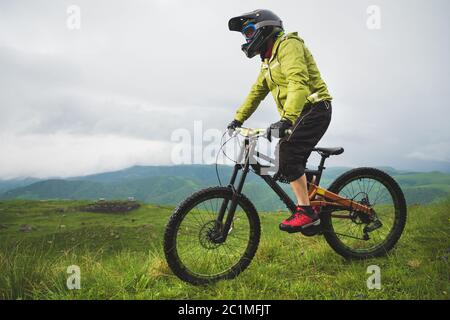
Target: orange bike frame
[[328, 198]]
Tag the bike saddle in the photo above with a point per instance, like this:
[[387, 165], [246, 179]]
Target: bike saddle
[[329, 151]]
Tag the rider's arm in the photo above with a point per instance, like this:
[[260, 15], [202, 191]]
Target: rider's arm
[[257, 94], [291, 57]]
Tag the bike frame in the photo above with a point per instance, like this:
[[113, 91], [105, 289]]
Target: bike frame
[[318, 196]]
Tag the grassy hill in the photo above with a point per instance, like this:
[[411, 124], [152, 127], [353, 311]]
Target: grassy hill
[[171, 184], [120, 257], [6, 185]]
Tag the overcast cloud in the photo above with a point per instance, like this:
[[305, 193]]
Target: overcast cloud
[[109, 95]]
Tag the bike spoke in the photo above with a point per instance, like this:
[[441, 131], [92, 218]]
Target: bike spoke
[[199, 253]]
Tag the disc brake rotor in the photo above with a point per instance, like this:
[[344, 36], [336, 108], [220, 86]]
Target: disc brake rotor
[[208, 235]]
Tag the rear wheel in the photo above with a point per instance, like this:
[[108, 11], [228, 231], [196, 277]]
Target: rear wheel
[[191, 244], [358, 236]]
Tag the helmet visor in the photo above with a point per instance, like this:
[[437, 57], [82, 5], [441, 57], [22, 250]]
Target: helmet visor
[[249, 31]]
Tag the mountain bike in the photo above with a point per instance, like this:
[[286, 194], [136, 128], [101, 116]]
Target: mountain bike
[[214, 233]]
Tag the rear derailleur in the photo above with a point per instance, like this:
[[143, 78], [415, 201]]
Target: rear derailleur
[[372, 223]]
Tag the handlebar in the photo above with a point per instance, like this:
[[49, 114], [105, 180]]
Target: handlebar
[[250, 132], [256, 132]]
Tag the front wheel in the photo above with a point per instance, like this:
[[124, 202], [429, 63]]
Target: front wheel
[[352, 234], [192, 243]]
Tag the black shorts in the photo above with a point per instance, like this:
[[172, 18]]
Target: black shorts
[[295, 149]]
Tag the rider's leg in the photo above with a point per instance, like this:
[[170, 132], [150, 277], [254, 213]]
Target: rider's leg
[[294, 152], [300, 189]]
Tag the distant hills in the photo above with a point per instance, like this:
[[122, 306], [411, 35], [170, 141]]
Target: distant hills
[[171, 184]]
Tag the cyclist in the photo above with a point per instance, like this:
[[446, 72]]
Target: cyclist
[[290, 73]]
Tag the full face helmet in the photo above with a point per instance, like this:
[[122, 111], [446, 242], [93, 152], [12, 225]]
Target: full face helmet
[[257, 27]]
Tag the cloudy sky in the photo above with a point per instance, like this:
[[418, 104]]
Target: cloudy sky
[[110, 94]]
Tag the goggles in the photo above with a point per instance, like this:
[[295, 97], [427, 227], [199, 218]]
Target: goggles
[[249, 31]]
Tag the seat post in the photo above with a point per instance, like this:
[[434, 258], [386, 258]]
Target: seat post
[[322, 162]]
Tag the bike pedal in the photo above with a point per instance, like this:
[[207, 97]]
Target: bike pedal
[[300, 229], [314, 223]]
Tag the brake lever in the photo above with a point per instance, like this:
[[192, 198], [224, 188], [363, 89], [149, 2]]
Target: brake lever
[[231, 132]]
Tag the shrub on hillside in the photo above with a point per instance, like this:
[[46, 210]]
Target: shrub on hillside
[[111, 206]]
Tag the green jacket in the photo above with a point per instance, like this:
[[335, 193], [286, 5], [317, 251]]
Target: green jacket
[[291, 75]]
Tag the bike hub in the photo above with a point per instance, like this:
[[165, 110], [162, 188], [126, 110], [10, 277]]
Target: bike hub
[[210, 235]]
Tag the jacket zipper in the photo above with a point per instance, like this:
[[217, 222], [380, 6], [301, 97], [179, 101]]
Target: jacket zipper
[[276, 84], [274, 54]]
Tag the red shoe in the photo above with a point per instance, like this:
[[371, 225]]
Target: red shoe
[[300, 220]]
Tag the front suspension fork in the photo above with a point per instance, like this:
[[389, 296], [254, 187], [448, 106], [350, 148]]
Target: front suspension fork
[[224, 228]]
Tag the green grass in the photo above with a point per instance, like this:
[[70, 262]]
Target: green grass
[[120, 256]]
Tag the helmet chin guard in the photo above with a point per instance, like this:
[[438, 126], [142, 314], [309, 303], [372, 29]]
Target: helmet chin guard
[[257, 44]]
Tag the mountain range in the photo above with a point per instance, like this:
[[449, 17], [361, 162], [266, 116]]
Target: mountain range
[[171, 184]]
